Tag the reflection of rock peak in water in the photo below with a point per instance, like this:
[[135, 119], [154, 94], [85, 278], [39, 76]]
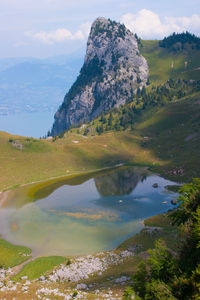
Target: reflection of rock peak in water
[[118, 183]]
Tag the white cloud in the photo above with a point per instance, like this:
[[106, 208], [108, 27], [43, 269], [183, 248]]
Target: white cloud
[[61, 35], [148, 24]]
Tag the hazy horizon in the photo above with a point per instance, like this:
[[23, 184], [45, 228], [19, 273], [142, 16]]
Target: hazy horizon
[[47, 28]]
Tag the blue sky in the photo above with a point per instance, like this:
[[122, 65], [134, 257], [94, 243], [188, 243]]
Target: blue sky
[[42, 28]]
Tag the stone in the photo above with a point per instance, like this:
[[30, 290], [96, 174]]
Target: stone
[[155, 185], [174, 201], [113, 70], [81, 286]]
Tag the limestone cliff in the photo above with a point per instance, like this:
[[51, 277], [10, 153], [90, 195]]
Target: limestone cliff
[[112, 72]]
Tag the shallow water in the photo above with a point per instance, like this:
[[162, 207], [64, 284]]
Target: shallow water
[[85, 214]]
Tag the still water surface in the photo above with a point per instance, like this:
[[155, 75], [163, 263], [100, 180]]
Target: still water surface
[[85, 214]]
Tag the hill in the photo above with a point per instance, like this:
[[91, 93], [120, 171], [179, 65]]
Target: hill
[[165, 137], [164, 64]]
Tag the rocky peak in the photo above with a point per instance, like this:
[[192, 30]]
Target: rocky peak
[[113, 70]]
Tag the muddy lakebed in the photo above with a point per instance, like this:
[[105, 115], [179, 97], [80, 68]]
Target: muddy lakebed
[[83, 214]]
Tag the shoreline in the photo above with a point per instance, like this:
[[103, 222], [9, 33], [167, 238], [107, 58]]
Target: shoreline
[[77, 173], [64, 176], [4, 195]]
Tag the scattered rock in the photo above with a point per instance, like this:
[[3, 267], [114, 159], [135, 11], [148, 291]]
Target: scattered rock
[[122, 279], [176, 171], [190, 137], [82, 267], [24, 277], [126, 253], [174, 201], [155, 185], [42, 278], [81, 286], [17, 145]]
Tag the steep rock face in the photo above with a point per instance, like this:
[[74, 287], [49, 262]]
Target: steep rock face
[[113, 70]]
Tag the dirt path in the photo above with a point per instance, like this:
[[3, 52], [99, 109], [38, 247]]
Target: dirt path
[[17, 269], [3, 197]]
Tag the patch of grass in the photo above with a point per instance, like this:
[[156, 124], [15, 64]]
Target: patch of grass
[[173, 188], [161, 220], [34, 145], [145, 239], [174, 136], [12, 255], [39, 267]]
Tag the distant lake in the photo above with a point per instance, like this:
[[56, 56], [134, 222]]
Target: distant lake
[[27, 124], [83, 214]]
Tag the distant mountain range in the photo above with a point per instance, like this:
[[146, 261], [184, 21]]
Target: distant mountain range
[[30, 84]]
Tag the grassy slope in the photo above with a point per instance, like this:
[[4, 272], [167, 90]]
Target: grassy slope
[[39, 267], [173, 140], [12, 255], [174, 135], [64, 157], [161, 60]]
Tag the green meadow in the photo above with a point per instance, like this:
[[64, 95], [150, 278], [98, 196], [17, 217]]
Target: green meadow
[[164, 64]]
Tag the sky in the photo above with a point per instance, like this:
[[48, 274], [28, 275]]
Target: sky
[[44, 28]]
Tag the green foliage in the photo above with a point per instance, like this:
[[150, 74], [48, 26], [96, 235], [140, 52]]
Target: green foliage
[[197, 226], [189, 203], [103, 118], [100, 129], [60, 136], [158, 290], [150, 281], [177, 41], [164, 276], [195, 281], [161, 262], [74, 294], [108, 29], [39, 267], [129, 294], [86, 131], [140, 278]]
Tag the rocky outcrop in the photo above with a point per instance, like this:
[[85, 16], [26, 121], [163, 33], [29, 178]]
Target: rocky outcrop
[[113, 70]]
